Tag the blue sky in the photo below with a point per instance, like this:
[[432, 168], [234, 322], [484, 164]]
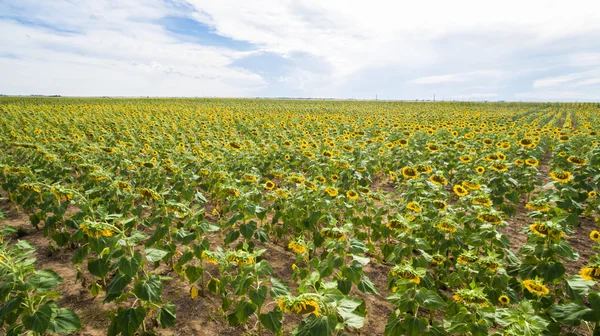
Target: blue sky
[[538, 50]]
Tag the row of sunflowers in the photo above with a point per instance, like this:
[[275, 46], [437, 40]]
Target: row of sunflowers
[[470, 208]]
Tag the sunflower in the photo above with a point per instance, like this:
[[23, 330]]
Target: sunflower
[[433, 148], [499, 167], [327, 154], [333, 192], [149, 194], [397, 224], [535, 287], [297, 247], [467, 258], [543, 230], [282, 193], [414, 207], [441, 205], [562, 154], [438, 179], [532, 162], [304, 304], [595, 236], [123, 185], [489, 218], [249, 178], [406, 272], [592, 194], [392, 175], [561, 176], [563, 138], [409, 173], [576, 160], [460, 190], [437, 259], [471, 296], [480, 170], [504, 300], [351, 194], [426, 169], [590, 273], [525, 142], [209, 257], [471, 186], [538, 206], [269, 185], [481, 200], [519, 162], [465, 158], [447, 226], [149, 164], [321, 179]]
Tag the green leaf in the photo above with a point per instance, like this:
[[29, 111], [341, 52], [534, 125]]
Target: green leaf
[[367, 286], [272, 320], [415, 326], [116, 286], [98, 267], [279, 288], [40, 320], [10, 306], [569, 313], [247, 229], [166, 315], [357, 247], [258, 296], [80, 254], [193, 273], [263, 268], [394, 326], [65, 322], [316, 326], [149, 290], [130, 266], [44, 280], [154, 254], [241, 313], [127, 321], [429, 299]]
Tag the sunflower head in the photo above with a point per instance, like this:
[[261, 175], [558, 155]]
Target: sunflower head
[[460, 190], [479, 170], [409, 173], [595, 236], [269, 185], [504, 300], [535, 287], [561, 176], [351, 194]]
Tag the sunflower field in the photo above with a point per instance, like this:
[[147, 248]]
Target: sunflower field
[[302, 217]]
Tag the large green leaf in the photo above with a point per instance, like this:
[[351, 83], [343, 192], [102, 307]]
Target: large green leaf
[[272, 320], [415, 326], [44, 280], [394, 326], [316, 326], [241, 313], [149, 290], [127, 321], [166, 315], [155, 254], [40, 320], [130, 266], [65, 322], [367, 286], [116, 286], [429, 299], [279, 288], [569, 313], [258, 296], [98, 267]]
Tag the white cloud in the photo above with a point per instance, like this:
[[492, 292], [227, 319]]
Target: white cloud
[[402, 47]]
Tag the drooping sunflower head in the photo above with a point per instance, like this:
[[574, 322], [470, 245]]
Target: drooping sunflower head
[[590, 273], [519, 162], [398, 223], [467, 257], [482, 200], [425, 169], [297, 246], [535, 287], [576, 160], [406, 272], [149, 194], [334, 233], [499, 167], [471, 185], [474, 296], [490, 217], [532, 162], [409, 173], [460, 190], [304, 304], [561, 176], [447, 225], [439, 204], [414, 206], [438, 179]]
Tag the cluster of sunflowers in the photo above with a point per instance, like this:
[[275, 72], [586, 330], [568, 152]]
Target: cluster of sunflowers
[[428, 191]]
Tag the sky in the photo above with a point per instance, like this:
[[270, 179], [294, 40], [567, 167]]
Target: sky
[[531, 50]]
